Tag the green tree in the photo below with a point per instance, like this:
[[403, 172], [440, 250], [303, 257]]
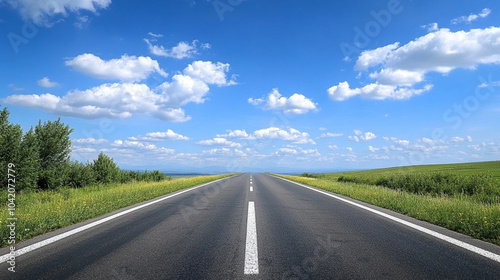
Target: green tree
[[80, 175], [28, 162], [10, 140], [54, 150], [105, 169]]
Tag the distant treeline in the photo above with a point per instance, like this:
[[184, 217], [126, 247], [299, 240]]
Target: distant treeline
[[41, 159]]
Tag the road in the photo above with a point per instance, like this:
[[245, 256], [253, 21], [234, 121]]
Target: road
[[253, 226]]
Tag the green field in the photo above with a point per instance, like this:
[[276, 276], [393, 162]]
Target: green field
[[462, 197], [40, 212]]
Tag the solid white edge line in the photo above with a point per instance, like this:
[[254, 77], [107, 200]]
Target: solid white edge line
[[443, 237], [53, 239], [251, 254]]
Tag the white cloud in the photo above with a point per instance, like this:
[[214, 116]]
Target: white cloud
[[271, 133], [331, 135], [46, 83], [375, 91], [126, 68], [40, 12], [472, 17], [370, 58], [361, 137], [182, 90], [219, 141], [122, 100], [295, 104], [138, 145], [155, 35], [209, 72], [160, 136], [431, 27], [372, 149], [108, 100], [275, 133], [92, 141], [401, 68], [242, 134], [255, 101], [180, 51]]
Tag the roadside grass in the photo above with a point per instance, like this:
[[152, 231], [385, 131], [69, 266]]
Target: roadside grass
[[41, 212], [461, 197]]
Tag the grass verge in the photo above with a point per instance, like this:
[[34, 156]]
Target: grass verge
[[39, 213], [460, 213]]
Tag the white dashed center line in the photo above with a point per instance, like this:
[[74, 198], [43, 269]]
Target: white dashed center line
[[251, 256]]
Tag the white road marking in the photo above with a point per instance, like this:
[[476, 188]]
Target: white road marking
[[251, 189], [56, 238], [251, 255], [446, 238]]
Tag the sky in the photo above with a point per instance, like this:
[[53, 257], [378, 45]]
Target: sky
[[279, 86]]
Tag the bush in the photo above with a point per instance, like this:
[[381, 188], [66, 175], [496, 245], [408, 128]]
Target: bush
[[105, 169]]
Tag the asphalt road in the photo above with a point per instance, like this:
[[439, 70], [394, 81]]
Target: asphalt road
[[297, 233]]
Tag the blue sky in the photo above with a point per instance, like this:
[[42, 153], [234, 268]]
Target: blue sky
[[253, 85]]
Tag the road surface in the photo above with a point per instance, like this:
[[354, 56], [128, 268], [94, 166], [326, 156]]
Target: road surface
[[253, 226]]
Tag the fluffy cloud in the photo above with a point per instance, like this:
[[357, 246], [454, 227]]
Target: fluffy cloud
[[182, 50], [219, 141], [126, 68], [138, 145], [360, 136], [46, 83], [295, 104], [275, 133], [331, 135], [91, 141], [472, 17], [209, 72], [122, 100], [161, 136], [40, 12], [400, 68], [271, 133], [375, 91]]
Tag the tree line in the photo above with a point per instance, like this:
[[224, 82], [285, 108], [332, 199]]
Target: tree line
[[42, 159]]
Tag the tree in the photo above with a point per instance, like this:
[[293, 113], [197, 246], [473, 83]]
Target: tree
[[54, 150], [80, 175], [28, 162], [105, 169], [10, 139]]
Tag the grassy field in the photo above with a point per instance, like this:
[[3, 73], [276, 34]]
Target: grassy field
[[39, 213], [461, 197]]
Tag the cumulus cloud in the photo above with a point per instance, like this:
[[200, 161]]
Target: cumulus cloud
[[331, 135], [46, 83], [122, 100], [271, 133], [219, 141], [161, 136], [472, 17], [40, 12], [126, 68], [181, 50], [400, 69], [209, 72], [295, 104], [376, 91], [361, 137]]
